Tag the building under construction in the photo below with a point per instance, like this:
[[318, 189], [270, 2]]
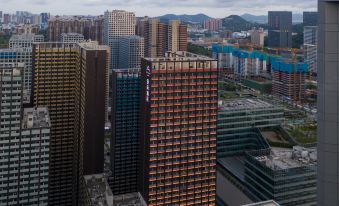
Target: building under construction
[[242, 63], [288, 79]]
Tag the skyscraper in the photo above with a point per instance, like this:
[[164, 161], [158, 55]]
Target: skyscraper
[[280, 29], [179, 97], [310, 47], [24, 143], [131, 50], [72, 80], [310, 18], [117, 24], [328, 90], [125, 149], [160, 37]]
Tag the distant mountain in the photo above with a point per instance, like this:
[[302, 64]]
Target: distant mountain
[[263, 19], [186, 18], [236, 23]]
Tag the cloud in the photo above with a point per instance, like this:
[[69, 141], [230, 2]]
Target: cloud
[[214, 8]]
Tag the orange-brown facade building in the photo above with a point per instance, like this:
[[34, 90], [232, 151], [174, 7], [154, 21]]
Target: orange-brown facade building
[[179, 100]]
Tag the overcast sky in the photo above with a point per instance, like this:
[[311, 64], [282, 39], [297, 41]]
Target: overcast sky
[[213, 8]]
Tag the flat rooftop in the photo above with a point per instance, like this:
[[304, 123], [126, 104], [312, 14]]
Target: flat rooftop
[[31, 37], [265, 203], [92, 45], [281, 159], [35, 118], [180, 56], [234, 165], [244, 104], [98, 189], [130, 199], [72, 34]]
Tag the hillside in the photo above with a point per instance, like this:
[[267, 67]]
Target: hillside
[[253, 18], [186, 18], [236, 24]]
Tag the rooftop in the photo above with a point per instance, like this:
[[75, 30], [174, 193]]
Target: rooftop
[[36, 118], [72, 34], [265, 203], [244, 104], [281, 159], [180, 56], [131, 199], [92, 45], [98, 189], [25, 37]]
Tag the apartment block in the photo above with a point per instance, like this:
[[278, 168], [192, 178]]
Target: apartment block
[[71, 37], [288, 80], [213, 24], [21, 52], [24, 143], [160, 37], [179, 97]]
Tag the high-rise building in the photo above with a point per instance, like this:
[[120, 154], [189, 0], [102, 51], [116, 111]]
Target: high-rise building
[[131, 50], [90, 28], [310, 47], [280, 29], [310, 18], [97, 29], [213, 24], [125, 150], [288, 80], [117, 24], [160, 37], [258, 37], [179, 100], [21, 52], [7, 18], [328, 134], [24, 143], [71, 37], [72, 80], [44, 17], [1, 16]]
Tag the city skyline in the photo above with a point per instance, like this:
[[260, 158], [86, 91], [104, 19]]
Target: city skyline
[[213, 8]]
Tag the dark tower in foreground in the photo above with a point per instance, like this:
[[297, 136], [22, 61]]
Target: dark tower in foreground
[[71, 80], [179, 100], [328, 95]]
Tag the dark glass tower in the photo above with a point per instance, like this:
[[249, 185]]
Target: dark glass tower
[[280, 29], [125, 130]]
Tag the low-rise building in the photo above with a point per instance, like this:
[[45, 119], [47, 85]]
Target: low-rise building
[[287, 176], [237, 121]]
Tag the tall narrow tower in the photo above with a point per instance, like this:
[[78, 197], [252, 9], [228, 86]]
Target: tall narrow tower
[[328, 101]]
